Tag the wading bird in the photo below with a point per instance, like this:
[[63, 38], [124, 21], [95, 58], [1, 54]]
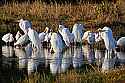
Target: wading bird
[[23, 40], [121, 44], [24, 25], [56, 43], [34, 38], [8, 38], [78, 31], [89, 37]]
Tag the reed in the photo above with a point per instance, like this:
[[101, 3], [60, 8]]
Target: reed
[[78, 76], [42, 14]]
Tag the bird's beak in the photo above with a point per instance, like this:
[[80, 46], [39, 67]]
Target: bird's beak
[[44, 30]]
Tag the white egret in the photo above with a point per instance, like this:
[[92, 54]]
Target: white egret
[[22, 40], [47, 37], [42, 37], [121, 42], [24, 25], [106, 34], [34, 38], [56, 42], [8, 38], [89, 36], [121, 50], [66, 35], [78, 32], [18, 35]]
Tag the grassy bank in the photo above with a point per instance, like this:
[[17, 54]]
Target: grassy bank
[[81, 76], [42, 14]]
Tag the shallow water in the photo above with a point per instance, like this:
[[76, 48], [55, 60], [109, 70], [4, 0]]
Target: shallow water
[[30, 61], [18, 63]]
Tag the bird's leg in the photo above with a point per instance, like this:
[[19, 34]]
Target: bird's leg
[[9, 43], [6, 43]]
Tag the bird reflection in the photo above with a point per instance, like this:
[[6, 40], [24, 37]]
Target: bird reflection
[[109, 61], [89, 54], [55, 63], [77, 57], [99, 56], [5, 60], [121, 57], [23, 58], [66, 60], [46, 52], [7, 51], [35, 60]]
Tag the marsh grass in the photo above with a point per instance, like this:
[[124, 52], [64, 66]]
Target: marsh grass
[[78, 76], [42, 14]]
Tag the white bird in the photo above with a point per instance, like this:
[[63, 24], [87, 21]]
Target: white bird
[[106, 34], [120, 53], [24, 25], [48, 35], [121, 42], [34, 38], [18, 35], [89, 36], [78, 32], [8, 38], [42, 37], [56, 42], [22, 40], [66, 35]]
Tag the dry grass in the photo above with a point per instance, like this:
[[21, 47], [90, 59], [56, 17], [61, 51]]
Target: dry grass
[[75, 76], [42, 14]]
